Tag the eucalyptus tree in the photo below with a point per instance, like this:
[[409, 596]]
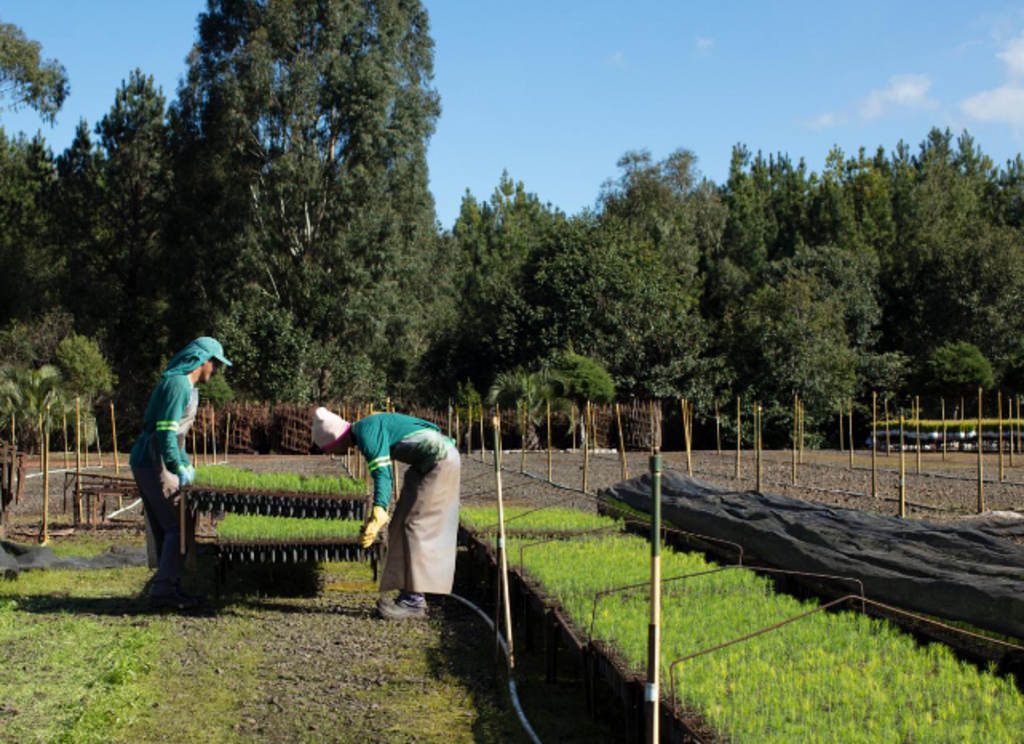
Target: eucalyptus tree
[[300, 133], [26, 79]]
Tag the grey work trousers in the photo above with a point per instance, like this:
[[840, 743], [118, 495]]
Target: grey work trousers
[[157, 487]]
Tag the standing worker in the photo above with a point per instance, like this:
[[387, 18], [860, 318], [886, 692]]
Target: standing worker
[[161, 467], [422, 544]]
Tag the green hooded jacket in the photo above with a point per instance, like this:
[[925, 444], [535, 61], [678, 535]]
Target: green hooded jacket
[[167, 406]]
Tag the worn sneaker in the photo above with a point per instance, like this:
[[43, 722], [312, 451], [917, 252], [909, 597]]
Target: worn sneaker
[[391, 609], [177, 600]]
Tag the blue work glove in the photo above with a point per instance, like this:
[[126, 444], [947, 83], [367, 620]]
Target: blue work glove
[[186, 476]]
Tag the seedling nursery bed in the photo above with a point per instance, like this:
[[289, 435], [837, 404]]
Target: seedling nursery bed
[[275, 504], [802, 680]]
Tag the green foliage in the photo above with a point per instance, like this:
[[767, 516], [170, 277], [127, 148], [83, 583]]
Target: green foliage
[[238, 527], [216, 391], [520, 519], [835, 676], [958, 368], [28, 80], [84, 370], [224, 477], [581, 379], [467, 397]]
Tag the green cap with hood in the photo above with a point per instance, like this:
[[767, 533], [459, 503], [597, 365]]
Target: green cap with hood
[[195, 354]]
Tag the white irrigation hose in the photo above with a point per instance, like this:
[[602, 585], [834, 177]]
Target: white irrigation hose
[[127, 508], [511, 682]]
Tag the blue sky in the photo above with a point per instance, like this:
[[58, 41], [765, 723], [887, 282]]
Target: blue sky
[[556, 92]]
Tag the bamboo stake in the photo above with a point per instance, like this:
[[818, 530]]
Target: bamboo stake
[[917, 418], [802, 432], [622, 443], [85, 446], [113, 429], [757, 442], [981, 460], [522, 453], [193, 432], [483, 442], [718, 429], [227, 437], [683, 403], [549, 439], [1002, 474], [206, 429], [45, 538], [458, 429], [99, 452], [503, 592], [469, 431], [572, 425], [944, 446], [652, 695], [888, 441], [841, 447], [39, 429], [849, 422], [874, 444], [586, 450], [1009, 404], [65, 414], [796, 430], [78, 458], [213, 432], [903, 473], [739, 436]]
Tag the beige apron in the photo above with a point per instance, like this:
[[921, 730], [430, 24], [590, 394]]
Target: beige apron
[[424, 529]]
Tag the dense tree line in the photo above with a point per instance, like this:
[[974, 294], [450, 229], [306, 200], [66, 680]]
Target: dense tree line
[[280, 201]]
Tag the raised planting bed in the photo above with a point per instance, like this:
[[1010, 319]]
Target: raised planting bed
[[259, 539], [275, 495], [831, 676], [545, 521]]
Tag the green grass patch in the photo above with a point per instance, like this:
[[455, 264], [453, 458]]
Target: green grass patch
[[252, 527], [245, 480], [527, 519]]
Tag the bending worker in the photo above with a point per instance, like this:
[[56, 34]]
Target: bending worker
[[422, 537], [161, 467]]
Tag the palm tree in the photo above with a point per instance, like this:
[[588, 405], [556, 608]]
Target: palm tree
[[26, 394], [520, 388]]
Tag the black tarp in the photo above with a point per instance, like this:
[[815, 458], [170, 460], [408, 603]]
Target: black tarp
[[956, 572], [16, 557]]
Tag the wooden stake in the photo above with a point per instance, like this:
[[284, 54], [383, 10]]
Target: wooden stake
[[796, 431], [849, 422], [503, 591], [903, 473], [981, 459], [841, 447], [586, 450], [917, 417], [549, 439], [718, 429], [483, 442], [1009, 403], [45, 537], [739, 436], [802, 433], [522, 453], [213, 432], [652, 696], [78, 458], [757, 442], [874, 444], [622, 443], [66, 466], [888, 442], [469, 431], [683, 404], [227, 437], [113, 430], [206, 429], [944, 447], [458, 429], [1002, 473]]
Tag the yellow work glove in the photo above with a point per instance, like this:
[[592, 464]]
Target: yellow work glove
[[378, 518]]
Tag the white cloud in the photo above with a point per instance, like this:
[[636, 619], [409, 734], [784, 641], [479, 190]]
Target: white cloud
[[1003, 105], [1014, 57], [618, 59], [904, 91], [825, 121], [704, 44]]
